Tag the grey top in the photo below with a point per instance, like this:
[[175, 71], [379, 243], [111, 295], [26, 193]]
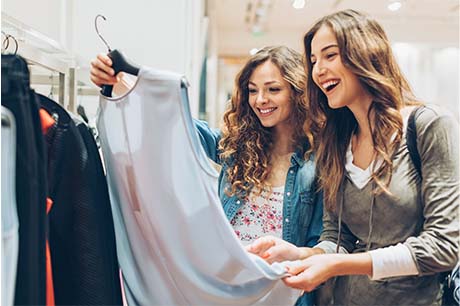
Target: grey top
[[422, 214]]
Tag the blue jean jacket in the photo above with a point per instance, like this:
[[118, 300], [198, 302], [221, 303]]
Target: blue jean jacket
[[302, 205]]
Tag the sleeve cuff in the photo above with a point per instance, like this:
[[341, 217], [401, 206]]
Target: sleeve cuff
[[330, 247], [392, 261]]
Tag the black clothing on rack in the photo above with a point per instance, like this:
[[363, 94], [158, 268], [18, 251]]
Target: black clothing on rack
[[30, 181], [82, 237], [64, 165]]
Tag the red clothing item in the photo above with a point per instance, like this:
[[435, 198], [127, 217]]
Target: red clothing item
[[47, 121], [49, 270]]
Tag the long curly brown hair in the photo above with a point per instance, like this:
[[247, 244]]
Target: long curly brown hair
[[366, 51], [246, 145]]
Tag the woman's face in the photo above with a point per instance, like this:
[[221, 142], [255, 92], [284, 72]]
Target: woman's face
[[339, 84], [270, 95]]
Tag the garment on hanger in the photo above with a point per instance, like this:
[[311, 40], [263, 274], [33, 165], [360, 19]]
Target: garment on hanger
[[79, 265], [174, 243], [47, 122], [10, 223], [30, 181], [81, 233]]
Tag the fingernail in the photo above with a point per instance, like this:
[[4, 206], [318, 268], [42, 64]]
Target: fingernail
[[265, 255]]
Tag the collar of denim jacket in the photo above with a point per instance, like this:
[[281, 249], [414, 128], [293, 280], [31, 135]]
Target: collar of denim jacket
[[297, 158]]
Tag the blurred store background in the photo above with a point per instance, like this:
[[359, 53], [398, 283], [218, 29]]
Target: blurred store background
[[209, 40]]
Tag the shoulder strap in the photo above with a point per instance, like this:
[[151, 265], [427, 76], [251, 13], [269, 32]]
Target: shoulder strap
[[411, 139]]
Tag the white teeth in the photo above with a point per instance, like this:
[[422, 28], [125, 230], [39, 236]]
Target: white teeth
[[328, 84], [267, 110]]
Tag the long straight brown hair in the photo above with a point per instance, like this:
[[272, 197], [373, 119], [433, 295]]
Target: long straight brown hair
[[365, 51]]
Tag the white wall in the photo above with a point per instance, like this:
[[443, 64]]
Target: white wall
[[155, 33], [432, 71], [44, 16], [159, 34]]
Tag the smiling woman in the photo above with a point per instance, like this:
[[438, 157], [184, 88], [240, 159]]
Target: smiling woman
[[269, 98], [338, 83], [267, 183], [389, 230]]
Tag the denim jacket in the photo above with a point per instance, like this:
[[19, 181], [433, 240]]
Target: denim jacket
[[302, 205]]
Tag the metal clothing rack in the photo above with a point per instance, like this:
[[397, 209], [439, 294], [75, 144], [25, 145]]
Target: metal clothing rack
[[38, 49]]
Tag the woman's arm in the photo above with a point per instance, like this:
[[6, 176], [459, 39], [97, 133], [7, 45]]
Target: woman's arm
[[315, 270], [103, 73], [436, 248], [209, 139], [274, 249]]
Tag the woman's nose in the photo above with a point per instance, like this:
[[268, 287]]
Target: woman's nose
[[261, 97]]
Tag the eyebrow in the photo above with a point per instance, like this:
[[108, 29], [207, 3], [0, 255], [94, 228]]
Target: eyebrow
[[325, 48], [266, 83]]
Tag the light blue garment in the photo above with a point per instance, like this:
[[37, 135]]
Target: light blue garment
[[10, 223], [302, 205], [174, 244]]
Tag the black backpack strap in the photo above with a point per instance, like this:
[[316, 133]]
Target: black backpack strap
[[411, 139]]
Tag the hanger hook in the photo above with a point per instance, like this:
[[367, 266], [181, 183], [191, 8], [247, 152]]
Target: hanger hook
[[5, 42], [97, 30], [16, 43]]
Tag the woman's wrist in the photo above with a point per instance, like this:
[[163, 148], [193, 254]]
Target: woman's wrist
[[307, 252], [353, 264]]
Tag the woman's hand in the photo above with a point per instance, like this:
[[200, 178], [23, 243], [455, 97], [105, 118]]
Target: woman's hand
[[311, 272], [274, 249], [102, 72]]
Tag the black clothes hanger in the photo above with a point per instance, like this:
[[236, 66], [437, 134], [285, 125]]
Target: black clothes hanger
[[119, 63], [81, 111]]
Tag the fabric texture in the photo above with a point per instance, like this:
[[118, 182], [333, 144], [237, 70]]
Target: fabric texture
[[261, 215], [10, 223], [175, 245], [81, 233], [47, 122], [30, 181], [395, 260], [302, 205], [422, 215]]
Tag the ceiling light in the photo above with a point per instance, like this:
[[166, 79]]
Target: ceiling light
[[298, 4], [394, 6]]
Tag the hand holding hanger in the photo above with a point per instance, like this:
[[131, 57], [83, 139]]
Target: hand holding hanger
[[112, 64]]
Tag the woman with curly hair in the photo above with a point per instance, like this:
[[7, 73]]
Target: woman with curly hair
[[267, 183], [389, 231]]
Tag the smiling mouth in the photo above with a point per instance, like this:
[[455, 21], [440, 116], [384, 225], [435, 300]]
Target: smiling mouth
[[330, 85], [266, 111]]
